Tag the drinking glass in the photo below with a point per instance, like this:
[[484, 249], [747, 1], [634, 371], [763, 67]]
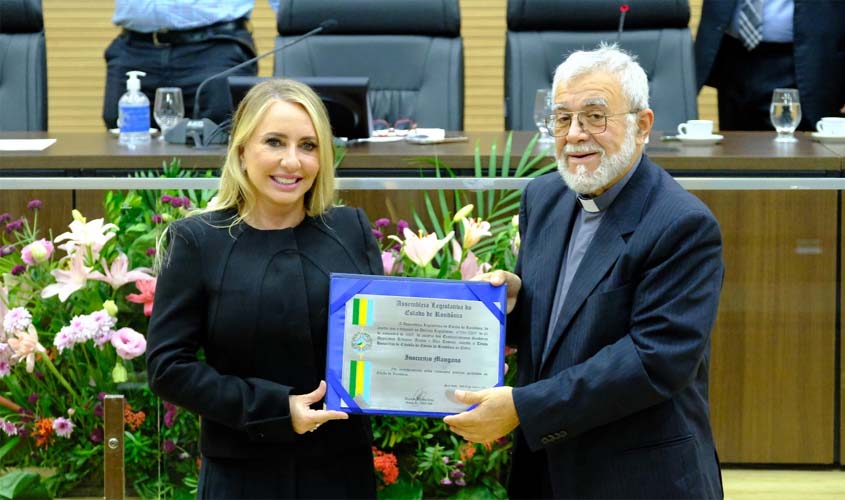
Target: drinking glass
[[169, 108], [542, 110], [785, 113]]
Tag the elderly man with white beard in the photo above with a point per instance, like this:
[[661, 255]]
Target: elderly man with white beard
[[618, 281]]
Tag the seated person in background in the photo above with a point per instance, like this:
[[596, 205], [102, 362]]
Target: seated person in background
[[621, 272], [179, 44], [247, 282]]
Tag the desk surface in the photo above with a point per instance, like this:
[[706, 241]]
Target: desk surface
[[739, 153]]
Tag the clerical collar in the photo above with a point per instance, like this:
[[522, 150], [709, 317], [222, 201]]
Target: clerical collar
[[603, 201]]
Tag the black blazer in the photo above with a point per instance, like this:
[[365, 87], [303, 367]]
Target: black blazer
[[616, 407], [255, 302], [818, 29]]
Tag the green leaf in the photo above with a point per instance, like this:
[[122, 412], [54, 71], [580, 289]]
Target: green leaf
[[22, 484], [402, 489], [9, 446]]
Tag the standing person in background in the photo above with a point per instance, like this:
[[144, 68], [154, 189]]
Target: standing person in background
[[747, 48], [179, 43], [621, 272], [246, 282]]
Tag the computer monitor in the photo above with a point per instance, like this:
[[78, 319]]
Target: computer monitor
[[345, 98]]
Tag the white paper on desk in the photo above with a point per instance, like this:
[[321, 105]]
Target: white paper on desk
[[25, 144]]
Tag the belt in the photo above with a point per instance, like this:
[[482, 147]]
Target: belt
[[181, 37]]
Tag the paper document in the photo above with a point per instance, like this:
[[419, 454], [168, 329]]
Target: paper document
[[25, 144]]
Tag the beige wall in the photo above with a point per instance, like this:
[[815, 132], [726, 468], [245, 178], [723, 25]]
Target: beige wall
[[78, 32]]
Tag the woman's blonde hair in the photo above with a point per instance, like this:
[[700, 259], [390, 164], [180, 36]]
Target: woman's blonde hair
[[235, 190]]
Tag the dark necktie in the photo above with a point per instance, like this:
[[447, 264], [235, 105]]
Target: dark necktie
[[751, 23]]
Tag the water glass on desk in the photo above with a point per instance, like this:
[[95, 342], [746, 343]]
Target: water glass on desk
[[169, 108], [785, 113], [542, 110]]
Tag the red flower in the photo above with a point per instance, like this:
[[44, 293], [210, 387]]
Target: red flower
[[43, 432], [385, 465], [148, 290]]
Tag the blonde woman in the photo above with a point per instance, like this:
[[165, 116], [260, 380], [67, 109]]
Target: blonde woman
[[246, 282]]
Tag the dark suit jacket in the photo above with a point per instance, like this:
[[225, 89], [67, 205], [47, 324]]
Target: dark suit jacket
[[256, 303], [617, 406], [819, 45]]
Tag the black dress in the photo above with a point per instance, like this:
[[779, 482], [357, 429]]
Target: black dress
[[255, 302]]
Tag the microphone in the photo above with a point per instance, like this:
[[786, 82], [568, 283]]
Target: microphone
[[623, 9], [204, 131]]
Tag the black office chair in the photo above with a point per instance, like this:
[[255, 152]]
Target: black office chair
[[541, 33], [23, 66], [411, 50]]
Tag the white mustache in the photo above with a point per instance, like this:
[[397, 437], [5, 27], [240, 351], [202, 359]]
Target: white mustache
[[582, 148]]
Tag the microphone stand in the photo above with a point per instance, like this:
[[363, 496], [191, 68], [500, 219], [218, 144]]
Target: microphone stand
[[204, 131]]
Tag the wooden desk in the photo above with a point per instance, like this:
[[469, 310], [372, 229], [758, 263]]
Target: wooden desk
[[740, 153], [773, 353]]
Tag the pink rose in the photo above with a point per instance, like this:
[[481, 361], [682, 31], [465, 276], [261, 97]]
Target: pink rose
[[37, 252], [128, 343]]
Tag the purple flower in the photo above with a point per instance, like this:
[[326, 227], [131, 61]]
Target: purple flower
[[63, 427], [459, 464], [445, 460], [461, 482], [401, 226], [101, 396], [15, 225], [168, 446], [33, 398], [18, 270], [151, 251], [7, 250], [156, 219], [4, 217], [39, 375], [446, 481], [175, 202], [8, 427], [34, 204], [166, 198], [97, 435], [186, 202], [384, 221], [378, 234], [456, 474], [170, 414], [98, 410]]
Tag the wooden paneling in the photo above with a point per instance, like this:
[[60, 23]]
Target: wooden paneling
[[78, 32], [54, 215], [772, 365]]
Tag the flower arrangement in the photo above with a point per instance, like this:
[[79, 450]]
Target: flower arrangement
[[73, 312]]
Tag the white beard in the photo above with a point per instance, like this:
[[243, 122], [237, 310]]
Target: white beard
[[610, 167]]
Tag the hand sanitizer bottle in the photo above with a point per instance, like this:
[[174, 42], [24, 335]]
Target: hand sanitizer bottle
[[134, 113]]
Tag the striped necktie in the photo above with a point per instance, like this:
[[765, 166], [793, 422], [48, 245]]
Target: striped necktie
[[751, 23]]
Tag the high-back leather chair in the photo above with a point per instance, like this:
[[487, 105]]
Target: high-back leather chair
[[23, 66], [541, 33], [411, 50]]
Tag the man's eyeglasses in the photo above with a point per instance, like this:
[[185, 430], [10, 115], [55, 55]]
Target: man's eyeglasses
[[592, 122], [402, 126]]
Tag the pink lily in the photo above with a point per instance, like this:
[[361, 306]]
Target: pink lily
[[422, 249], [92, 234], [470, 268], [119, 274], [474, 230], [25, 346], [68, 281], [389, 263], [147, 287]]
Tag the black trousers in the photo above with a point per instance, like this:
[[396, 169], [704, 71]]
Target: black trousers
[[182, 66], [745, 81]]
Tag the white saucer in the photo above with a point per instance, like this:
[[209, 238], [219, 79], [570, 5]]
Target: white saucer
[[704, 140], [833, 139]]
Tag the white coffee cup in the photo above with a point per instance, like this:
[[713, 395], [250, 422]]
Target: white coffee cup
[[831, 125], [696, 128]]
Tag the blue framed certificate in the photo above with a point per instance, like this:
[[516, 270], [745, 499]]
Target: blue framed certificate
[[402, 346]]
